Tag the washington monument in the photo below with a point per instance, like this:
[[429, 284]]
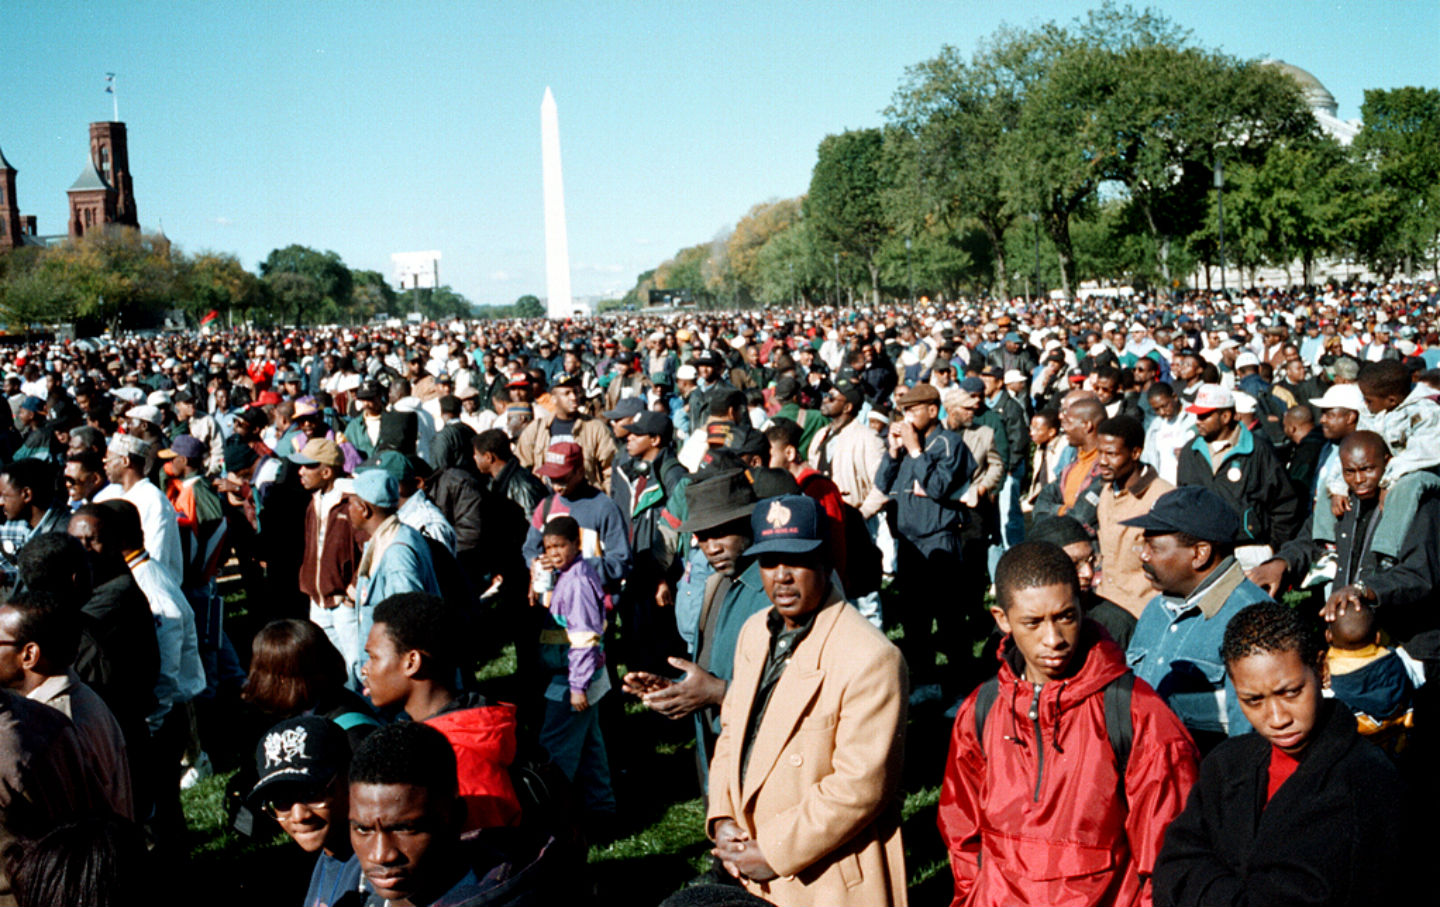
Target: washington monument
[[557, 247]]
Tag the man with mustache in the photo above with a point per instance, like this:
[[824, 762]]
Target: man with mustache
[[1188, 552]]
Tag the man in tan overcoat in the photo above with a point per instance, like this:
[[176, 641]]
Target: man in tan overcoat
[[804, 803]]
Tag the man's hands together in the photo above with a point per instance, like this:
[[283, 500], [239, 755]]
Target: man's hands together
[[740, 854]]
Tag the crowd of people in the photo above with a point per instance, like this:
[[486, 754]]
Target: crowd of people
[[1165, 567]]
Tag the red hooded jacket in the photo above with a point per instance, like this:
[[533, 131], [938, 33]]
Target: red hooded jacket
[[483, 738], [1036, 817]]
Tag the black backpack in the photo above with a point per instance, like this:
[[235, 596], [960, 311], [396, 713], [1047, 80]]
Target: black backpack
[[1119, 723]]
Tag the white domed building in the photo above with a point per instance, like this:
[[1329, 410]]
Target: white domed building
[[1321, 102]]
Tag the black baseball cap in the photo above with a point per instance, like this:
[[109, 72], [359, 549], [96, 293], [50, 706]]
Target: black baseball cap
[[624, 409], [1192, 509], [849, 390], [303, 753], [650, 422]]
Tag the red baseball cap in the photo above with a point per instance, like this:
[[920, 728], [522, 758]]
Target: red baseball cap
[[561, 460]]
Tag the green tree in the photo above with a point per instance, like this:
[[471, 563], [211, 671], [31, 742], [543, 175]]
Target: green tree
[[790, 268], [29, 295], [326, 279], [371, 295], [294, 292], [528, 306], [216, 282], [844, 205], [948, 124], [115, 278], [750, 236], [1398, 215], [1170, 111], [686, 271]]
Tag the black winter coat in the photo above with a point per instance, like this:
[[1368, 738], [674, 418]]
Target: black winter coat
[[1337, 832], [1253, 481]]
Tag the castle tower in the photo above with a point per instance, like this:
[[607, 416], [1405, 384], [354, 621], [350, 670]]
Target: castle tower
[[92, 202], [9, 207], [110, 154]]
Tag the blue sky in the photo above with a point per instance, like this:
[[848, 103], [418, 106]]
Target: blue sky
[[371, 128]]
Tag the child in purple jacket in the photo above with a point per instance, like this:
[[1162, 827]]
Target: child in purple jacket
[[572, 648]]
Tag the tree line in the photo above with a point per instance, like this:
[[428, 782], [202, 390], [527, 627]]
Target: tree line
[[1089, 151], [122, 278]]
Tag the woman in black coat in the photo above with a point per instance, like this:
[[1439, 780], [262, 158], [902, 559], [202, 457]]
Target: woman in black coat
[[1303, 812]]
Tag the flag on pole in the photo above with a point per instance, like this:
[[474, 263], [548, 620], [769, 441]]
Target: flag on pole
[[210, 317]]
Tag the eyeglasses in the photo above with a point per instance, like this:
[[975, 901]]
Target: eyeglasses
[[285, 804]]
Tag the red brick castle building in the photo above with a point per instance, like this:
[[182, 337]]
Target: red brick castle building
[[103, 194]]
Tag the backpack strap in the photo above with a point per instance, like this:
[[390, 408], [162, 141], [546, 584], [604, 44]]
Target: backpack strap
[[1119, 723], [985, 700]]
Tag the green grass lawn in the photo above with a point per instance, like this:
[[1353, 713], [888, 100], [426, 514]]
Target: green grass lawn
[[659, 842]]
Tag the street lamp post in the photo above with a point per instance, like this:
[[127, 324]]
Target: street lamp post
[[837, 280], [1220, 204], [909, 271], [791, 265], [1035, 220]]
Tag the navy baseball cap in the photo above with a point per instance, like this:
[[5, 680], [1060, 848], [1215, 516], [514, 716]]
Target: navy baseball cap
[[1192, 509], [186, 446], [789, 524], [973, 385]]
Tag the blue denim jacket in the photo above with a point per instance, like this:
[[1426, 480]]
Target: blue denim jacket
[[1176, 649]]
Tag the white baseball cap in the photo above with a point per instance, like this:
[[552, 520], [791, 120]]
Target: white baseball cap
[[1341, 396], [1211, 397]]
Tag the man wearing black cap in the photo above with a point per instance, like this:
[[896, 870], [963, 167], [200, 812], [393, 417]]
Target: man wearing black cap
[[363, 432], [709, 381], [202, 427], [1079, 545], [657, 482], [303, 765], [803, 802], [925, 470], [568, 423], [1188, 554], [847, 450]]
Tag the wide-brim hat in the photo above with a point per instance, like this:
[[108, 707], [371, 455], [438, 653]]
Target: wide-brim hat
[[715, 500]]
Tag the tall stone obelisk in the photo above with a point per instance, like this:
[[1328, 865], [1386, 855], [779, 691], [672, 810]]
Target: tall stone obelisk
[[557, 248]]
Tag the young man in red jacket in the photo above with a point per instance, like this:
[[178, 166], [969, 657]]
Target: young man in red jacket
[[1052, 802], [414, 659]]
